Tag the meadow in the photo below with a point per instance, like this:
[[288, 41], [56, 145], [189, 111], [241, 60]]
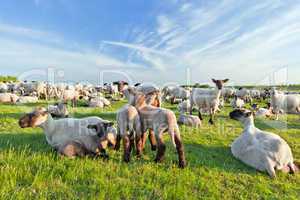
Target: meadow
[[30, 169]]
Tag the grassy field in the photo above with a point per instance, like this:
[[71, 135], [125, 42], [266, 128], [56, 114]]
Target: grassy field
[[29, 169]]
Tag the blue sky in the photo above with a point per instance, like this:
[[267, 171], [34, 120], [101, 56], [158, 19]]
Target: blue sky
[[160, 41]]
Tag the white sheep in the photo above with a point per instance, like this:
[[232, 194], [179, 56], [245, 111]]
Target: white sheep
[[129, 129], [189, 120], [8, 98], [184, 106], [207, 99], [27, 99], [3, 87], [260, 149], [237, 102], [59, 132], [159, 120], [284, 103], [176, 92]]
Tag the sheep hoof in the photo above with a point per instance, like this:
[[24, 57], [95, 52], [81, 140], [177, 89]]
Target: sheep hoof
[[182, 164], [211, 122], [153, 148]]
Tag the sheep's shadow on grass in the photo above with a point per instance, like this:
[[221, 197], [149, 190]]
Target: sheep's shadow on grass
[[214, 157], [34, 143]]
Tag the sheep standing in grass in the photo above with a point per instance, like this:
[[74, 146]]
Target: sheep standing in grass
[[159, 120], [74, 134], [207, 99], [262, 150], [129, 130], [284, 103], [237, 102]]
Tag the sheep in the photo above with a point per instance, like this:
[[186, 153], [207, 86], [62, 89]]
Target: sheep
[[98, 101], [184, 106], [237, 102], [284, 103], [58, 110], [3, 87], [8, 98], [260, 149], [59, 132], [189, 120], [128, 129], [27, 99], [244, 94], [70, 94], [159, 120], [152, 94], [207, 99], [176, 93], [262, 112], [227, 93]]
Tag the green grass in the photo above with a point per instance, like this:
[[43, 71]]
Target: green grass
[[30, 169]]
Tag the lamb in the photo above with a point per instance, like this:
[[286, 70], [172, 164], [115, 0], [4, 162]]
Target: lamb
[[189, 120], [58, 110], [159, 120], [244, 94], [284, 103], [227, 93], [128, 129], [262, 150], [62, 131], [184, 106], [262, 112], [207, 99], [8, 98], [237, 102], [70, 94]]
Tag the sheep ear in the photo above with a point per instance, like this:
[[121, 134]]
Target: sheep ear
[[225, 80], [213, 80]]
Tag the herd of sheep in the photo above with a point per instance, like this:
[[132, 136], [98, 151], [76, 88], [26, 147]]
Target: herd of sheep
[[143, 116]]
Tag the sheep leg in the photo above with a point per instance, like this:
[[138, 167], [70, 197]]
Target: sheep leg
[[211, 117], [139, 145], [161, 148], [118, 141], [144, 138], [173, 100], [152, 140], [126, 145], [131, 142], [180, 151], [270, 169]]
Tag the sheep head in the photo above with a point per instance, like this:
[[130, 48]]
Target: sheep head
[[220, 83], [34, 118]]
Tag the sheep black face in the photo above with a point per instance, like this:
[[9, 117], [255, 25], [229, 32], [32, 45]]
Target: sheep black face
[[33, 119], [220, 83], [240, 114]]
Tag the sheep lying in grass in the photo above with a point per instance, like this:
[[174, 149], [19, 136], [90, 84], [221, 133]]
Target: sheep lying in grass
[[159, 120], [8, 98], [68, 132], [58, 110], [189, 120], [262, 112], [98, 101], [262, 150], [27, 99]]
